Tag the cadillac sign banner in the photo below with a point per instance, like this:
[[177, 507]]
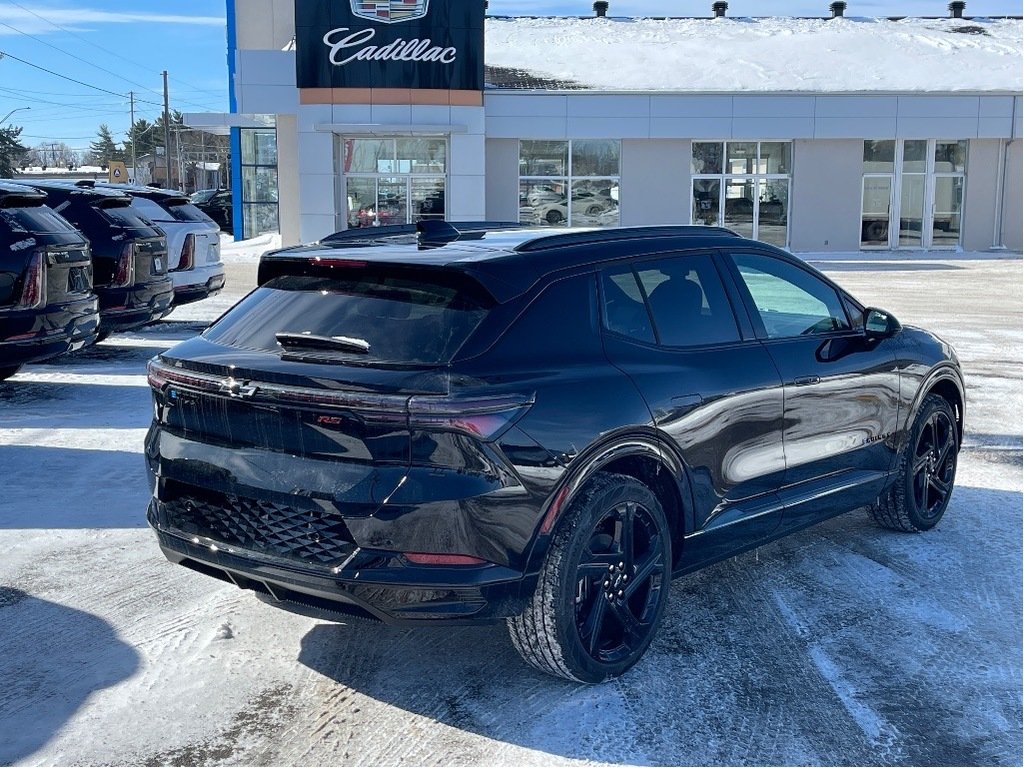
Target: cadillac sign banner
[[436, 44]]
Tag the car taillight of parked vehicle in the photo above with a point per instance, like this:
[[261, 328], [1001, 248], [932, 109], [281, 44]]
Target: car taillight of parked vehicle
[[188, 255], [124, 275], [480, 417], [33, 293]]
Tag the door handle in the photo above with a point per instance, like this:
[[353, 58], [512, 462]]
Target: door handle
[[806, 381]]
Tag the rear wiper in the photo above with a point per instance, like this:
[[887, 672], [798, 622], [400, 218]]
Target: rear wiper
[[313, 341]]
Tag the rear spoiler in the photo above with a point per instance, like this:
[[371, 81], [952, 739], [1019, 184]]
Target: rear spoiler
[[22, 198]]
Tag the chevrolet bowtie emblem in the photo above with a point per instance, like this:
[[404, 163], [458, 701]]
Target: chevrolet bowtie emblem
[[238, 389]]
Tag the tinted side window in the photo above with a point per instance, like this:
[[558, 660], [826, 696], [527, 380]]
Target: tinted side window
[[688, 302], [624, 309], [790, 301]]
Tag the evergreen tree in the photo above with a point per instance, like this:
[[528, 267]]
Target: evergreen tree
[[143, 137], [104, 150], [11, 150]]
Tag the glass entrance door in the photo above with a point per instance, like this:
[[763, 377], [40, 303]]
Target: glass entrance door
[[917, 183]]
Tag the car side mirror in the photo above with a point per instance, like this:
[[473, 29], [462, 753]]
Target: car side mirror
[[879, 324]]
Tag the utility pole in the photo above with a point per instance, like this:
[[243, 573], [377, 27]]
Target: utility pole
[[131, 137], [167, 135]]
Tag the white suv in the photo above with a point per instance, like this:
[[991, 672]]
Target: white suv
[[193, 240]]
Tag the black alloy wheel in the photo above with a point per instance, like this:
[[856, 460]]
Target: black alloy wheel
[[619, 583], [604, 584], [934, 465], [926, 472]]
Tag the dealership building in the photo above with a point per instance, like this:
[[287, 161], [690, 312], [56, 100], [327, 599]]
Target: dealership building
[[828, 134]]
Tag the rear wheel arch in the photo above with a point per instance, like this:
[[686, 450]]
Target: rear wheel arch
[[643, 458]]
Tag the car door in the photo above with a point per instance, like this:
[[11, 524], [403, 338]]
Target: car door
[[841, 388], [712, 389]]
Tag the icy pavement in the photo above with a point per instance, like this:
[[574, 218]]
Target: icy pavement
[[844, 644]]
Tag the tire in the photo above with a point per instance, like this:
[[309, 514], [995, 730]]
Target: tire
[[571, 628], [6, 373], [554, 217], [926, 472]]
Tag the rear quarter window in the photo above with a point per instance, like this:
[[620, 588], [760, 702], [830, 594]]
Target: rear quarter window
[[405, 320]]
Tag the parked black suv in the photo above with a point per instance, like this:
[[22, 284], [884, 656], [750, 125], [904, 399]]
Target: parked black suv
[[129, 254], [218, 205], [47, 306], [537, 427]]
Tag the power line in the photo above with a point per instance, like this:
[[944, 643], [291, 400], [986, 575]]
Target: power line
[[76, 58], [5, 54], [105, 50]]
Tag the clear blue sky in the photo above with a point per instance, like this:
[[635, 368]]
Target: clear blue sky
[[120, 46]]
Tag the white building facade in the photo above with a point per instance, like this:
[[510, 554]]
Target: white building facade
[[822, 166]]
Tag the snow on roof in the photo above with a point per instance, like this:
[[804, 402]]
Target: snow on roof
[[761, 54]]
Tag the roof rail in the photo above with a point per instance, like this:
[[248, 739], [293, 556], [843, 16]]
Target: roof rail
[[554, 240], [430, 232]]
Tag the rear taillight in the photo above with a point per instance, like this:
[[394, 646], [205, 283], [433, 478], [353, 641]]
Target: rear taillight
[[482, 417], [188, 254], [124, 274], [33, 292]]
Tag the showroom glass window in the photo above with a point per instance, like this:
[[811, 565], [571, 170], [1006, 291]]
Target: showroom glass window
[[569, 183], [912, 194], [743, 185], [259, 181], [394, 181]]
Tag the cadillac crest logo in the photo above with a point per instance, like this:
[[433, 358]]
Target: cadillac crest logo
[[390, 11]]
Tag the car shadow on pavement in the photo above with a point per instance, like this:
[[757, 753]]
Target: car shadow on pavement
[[62, 488], [52, 659], [841, 644]]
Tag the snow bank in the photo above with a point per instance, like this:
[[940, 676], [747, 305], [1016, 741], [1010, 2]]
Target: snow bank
[[764, 54], [247, 251]]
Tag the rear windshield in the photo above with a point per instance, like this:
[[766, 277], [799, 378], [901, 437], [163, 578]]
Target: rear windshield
[[35, 219], [404, 320], [186, 212], [170, 209], [124, 216]]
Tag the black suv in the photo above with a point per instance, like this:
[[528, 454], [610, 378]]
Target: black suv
[[218, 205], [129, 254], [47, 306], [538, 427]]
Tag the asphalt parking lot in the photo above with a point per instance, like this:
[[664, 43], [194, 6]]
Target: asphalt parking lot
[[844, 644]]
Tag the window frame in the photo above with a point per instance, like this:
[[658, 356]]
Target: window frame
[[252, 206], [569, 179], [407, 179], [758, 179], [843, 299], [930, 175]]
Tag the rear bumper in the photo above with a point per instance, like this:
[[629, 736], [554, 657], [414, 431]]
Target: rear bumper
[[122, 309], [373, 585], [31, 336], [190, 287]]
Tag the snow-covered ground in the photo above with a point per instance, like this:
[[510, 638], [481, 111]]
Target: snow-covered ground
[[764, 54], [841, 644]]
